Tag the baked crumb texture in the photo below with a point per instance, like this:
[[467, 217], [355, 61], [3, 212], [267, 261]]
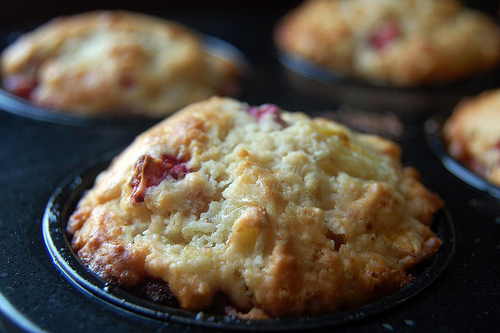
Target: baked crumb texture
[[114, 63], [281, 214], [393, 42], [472, 134]]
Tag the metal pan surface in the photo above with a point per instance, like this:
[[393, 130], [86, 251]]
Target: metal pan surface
[[64, 199], [435, 139]]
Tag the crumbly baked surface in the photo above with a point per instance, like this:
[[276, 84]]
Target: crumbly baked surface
[[284, 214], [472, 134], [114, 63], [394, 42]]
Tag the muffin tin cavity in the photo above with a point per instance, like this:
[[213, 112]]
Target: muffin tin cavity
[[64, 199], [433, 132], [325, 83]]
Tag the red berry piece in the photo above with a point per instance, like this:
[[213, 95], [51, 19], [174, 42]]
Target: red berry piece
[[19, 85], [385, 34], [271, 110], [151, 171]]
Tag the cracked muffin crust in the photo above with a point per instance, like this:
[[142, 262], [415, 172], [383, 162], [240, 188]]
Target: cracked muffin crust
[[114, 63], [392, 42], [472, 134], [282, 214]]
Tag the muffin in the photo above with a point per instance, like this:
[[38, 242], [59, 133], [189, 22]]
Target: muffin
[[392, 42], [114, 63], [472, 134], [256, 211]]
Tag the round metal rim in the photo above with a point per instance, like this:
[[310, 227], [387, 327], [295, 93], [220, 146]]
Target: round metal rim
[[432, 129], [64, 199], [311, 70]]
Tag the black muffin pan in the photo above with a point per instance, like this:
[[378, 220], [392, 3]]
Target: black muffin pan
[[48, 163], [64, 199]]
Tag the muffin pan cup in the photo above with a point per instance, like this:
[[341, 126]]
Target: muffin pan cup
[[433, 131], [340, 87], [63, 202]]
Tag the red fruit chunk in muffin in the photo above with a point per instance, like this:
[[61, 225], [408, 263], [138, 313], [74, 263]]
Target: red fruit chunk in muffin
[[258, 112], [385, 35], [150, 171], [19, 85]]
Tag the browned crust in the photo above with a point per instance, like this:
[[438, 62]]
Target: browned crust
[[350, 233], [438, 41]]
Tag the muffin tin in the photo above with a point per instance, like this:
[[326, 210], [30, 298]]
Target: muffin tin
[[64, 199], [49, 163], [306, 76]]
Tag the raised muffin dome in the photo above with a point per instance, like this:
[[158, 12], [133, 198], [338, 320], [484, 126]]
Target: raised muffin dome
[[392, 42], [284, 214], [114, 63]]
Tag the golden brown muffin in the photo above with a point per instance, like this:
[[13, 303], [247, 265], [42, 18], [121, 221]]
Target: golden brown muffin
[[284, 214], [114, 63], [472, 134], [393, 42]]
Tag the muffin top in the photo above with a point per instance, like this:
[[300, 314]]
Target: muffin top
[[284, 214], [472, 134], [392, 42], [114, 63]]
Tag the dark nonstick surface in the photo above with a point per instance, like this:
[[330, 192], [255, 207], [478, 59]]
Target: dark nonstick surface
[[38, 156]]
